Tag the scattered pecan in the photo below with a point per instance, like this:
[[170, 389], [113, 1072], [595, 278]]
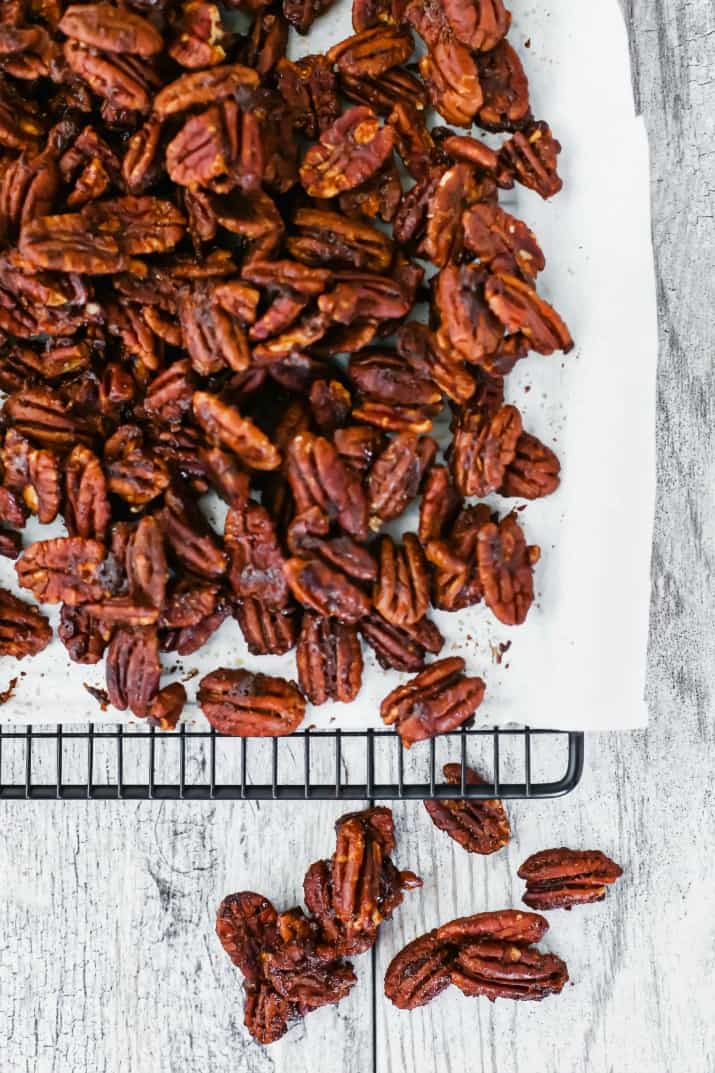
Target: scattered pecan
[[266, 632], [256, 705], [401, 593], [396, 474], [478, 826], [483, 448], [531, 156], [534, 470], [562, 878], [502, 241], [456, 581], [506, 569], [372, 52], [401, 648], [419, 973], [329, 660], [72, 570], [326, 591], [439, 699], [133, 669], [520, 309], [24, 631], [505, 87], [348, 152], [319, 478]]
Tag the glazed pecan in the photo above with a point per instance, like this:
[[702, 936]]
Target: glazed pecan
[[439, 505], [519, 308], [467, 324], [245, 704], [483, 448], [145, 564], [562, 878], [401, 648], [330, 239], [506, 566], [256, 561], [326, 591], [24, 631], [456, 582], [502, 241], [266, 632], [189, 535], [200, 37], [429, 358], [319, 478], [419, 973], [497, 969], [531, 156], [452, 80], [329, 660], [133, 669], [477, 826], [225, 425], [360, 887], [348, 152], [385, 92], [309, 88], [534, 470], [372, 52], [437, 700], [111, 29], [506, 89], [246, 924], [84, 637], [219, 149], [401, 594], [72, 570], [396, 474], [204, 87]]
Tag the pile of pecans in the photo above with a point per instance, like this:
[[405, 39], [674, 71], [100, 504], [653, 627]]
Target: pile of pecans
[[192, 234]]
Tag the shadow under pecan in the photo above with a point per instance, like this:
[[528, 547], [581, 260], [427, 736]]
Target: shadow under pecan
[[439, 699], [329, 660], [250, 705], [534, 470], [506, 565], [477, 826], [24, 631], [563, 878], [360, 887], [348, 153]]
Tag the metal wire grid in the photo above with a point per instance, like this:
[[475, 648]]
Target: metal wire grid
[[107, 762]]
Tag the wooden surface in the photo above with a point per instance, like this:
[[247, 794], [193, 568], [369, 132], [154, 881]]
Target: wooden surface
[[108, 963]]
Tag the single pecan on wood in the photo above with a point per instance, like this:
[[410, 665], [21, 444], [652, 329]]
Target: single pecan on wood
[[562, 878], [478, 826], [246, 704], [419, 973], [439, 699]]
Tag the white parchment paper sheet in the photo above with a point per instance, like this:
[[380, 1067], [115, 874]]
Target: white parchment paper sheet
[[579, 661]]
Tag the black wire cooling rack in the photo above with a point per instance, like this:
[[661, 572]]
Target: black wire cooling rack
[[100, 762]]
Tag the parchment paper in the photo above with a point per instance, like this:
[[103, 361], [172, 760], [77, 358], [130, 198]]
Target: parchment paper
[[579, 661]]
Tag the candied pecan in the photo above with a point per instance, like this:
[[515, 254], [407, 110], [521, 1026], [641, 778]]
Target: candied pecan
[[199, 36], [256, 561], [28, 186], [219, 149], [401, 648], [134, 472], [309, 88], [367, 13], [501, 240], [308, 535], [190, 536], [24, 631], [20, 124], [425, 354], [562, 878], [378, 196], [204, 87], [211, 332], [382, 376], [348, 153], [165, 710], [358, 446], [68, 244], [506, 89], [497, 969], [302, 13], [452, 80], [330, 404], [360, 887], [479, 24], [439, 699], [534, 470], [329, 660], [401, 593], [224, 425], [188, 639], [133, 669], [327, 591], [456, 190], [439, 505], [111, 29], [245, 704], [266, 1013], [364, 296], [26, 53], [10, 543], [371, 52], [457, 583], [465, 149], [67, 569], [266, 632], [12, 507], [507, 925], [141, 165], [327, 238], [124, 81], [146, 567], [531, 157], [43, 492], [479, 826], [519, 308], [246, 924], [467, 325], [506, 566], [319, 477], [396, 474], [483, 448], [384, 92], [265, 45], [419, 973], [84, 637]]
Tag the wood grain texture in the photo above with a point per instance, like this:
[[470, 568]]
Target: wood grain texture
[[107, 959]]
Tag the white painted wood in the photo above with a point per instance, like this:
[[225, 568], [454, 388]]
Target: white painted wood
[[108, 963]]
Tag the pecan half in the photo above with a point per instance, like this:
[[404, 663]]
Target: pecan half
[[519, 308], [506, 566], [326, 591], [483, 449], [396, 474], [534, 470], [266, 632], [498, 969], [437, 700], [401, 594], [250, 705], [505, 87], [401, 648], [562, 878], [133, 669], [371, 52], [502, 241], [68, 570], [329, 660], [246, 923], [477, 826], [419, 973], [348, 152], [225, 425], [24, 631], [256, 561], [531, 156], [319, 478]]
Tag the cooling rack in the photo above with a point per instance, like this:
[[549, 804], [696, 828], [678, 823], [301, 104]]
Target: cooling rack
[[105, 762]]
